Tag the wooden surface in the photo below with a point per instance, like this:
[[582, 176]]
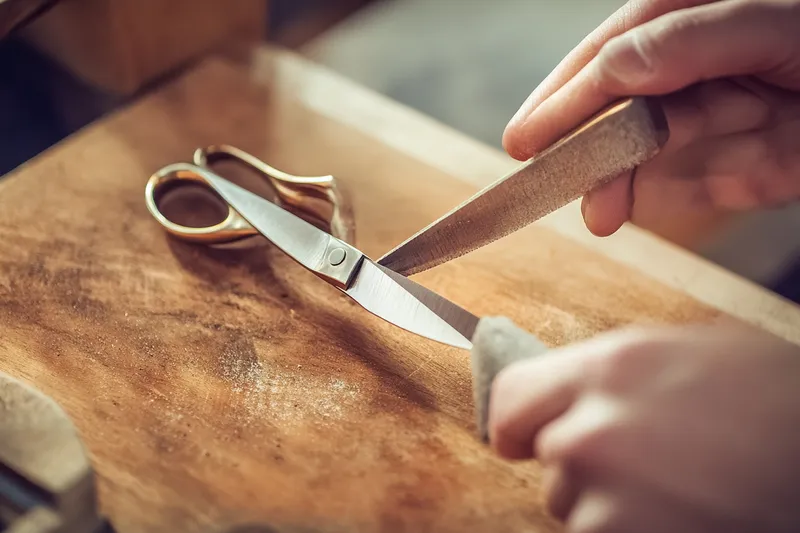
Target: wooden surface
[[120, 46], [220, 388]]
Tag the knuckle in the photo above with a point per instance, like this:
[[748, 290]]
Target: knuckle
[[631, 352], [594, 444], [590, 437], [671, 34], [630, 58], [646, 45], [646, 50]]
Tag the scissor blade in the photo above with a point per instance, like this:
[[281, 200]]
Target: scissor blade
[[411, 306], [614, 141], [293, 235], [384, 293]]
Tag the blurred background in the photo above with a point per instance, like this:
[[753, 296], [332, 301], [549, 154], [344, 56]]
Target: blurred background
[[468, 64]]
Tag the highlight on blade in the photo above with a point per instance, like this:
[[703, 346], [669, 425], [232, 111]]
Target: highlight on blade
[[411, 306]]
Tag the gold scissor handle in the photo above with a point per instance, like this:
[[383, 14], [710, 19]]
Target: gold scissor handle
[[233, 228], [316, 199]]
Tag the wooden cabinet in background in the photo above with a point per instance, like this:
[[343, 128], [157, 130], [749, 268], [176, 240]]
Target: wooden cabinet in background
[[119, 46]]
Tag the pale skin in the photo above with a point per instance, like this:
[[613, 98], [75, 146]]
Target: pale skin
[[690, 429]]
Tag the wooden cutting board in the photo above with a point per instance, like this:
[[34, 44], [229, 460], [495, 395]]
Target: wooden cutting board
[[215, 389]]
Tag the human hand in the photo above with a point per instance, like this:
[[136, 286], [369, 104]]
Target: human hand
[[660, 430], [729, 73]]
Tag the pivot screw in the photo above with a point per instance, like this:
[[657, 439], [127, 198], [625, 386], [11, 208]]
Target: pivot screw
[[337, 256]]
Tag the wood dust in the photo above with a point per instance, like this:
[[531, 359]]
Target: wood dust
[[285, 393]]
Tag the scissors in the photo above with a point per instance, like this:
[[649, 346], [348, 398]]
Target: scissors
[[307, 224], [615, 140], [316, 199]]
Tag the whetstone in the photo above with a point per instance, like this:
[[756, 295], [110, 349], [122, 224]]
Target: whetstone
[[613, 141]]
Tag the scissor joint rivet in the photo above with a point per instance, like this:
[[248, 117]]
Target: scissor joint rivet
[[337, 256]]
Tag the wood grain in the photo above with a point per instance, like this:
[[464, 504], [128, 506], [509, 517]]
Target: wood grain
[[216, 389]]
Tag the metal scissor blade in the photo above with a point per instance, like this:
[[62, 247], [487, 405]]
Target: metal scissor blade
[[293, 235], [380, 291], [411, 306]]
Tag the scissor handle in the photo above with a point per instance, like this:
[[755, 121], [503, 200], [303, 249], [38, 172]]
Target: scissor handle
[[287, 184], [316, 199], [233, 228]]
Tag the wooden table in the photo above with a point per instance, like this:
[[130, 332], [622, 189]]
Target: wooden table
[[214, 389]]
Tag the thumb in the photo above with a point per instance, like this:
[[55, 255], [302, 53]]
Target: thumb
[[519, 385], [497, 343], [628, 16]]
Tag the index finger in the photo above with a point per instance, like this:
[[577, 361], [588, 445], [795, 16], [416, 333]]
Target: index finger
[[723, 39], [529, 394], [632, 14]]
